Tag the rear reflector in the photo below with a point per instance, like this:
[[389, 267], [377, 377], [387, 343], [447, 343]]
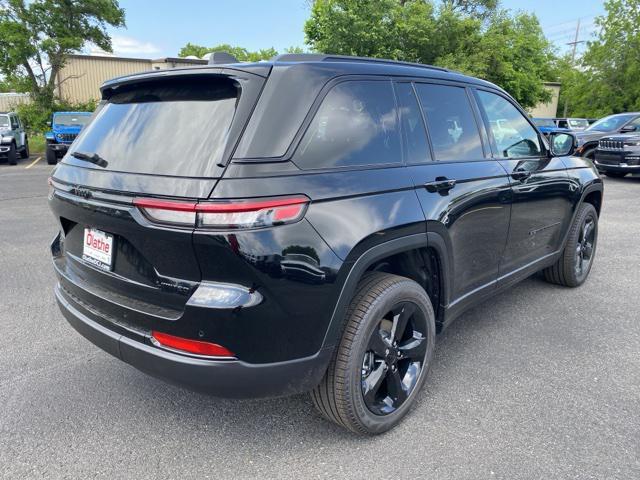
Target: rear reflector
[[197, 347], [234, 214]]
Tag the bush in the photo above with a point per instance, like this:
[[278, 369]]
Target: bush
[[35, 116]]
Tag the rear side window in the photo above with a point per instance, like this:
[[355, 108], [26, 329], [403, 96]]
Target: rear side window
[[452, 126], [356, 124], [413, 131], [176, 128], [513, 134]]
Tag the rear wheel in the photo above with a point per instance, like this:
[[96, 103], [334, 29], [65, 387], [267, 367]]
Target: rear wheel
[[25, 150], [574, 265], [51, 156], [12, 155], [383, 357], [615, 174]]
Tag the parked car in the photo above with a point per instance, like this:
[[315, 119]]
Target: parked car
[[573, 124], [587, 141], [618, 155], [13, 138], [65, 127], [308, 224], [548, 125]]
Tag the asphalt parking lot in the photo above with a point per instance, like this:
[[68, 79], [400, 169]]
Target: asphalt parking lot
[[540, 382]]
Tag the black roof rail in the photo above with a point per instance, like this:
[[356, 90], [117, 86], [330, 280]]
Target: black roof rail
[[320, 57]]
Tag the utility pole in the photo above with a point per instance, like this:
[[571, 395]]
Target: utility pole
[[573, 62]]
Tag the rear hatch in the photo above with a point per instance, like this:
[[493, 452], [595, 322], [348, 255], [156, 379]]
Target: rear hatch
[[160, 137]]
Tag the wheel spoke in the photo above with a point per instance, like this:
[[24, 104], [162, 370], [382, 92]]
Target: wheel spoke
[[400, 319], [378, 343], [371, 384], [414, 349], [395, 388]]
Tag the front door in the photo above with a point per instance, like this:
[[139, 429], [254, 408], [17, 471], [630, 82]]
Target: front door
[[542, 192]]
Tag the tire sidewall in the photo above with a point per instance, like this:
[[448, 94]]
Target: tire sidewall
[[400, 292], [586, 211]]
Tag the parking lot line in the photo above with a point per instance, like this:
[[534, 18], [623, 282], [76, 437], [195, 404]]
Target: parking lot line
[[33, 163]]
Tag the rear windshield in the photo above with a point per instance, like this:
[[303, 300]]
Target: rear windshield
[[176, 128], [68, 120]]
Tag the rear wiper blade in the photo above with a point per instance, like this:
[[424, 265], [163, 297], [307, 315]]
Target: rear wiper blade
[[93, 158]]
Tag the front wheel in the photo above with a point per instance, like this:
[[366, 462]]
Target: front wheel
[[52, 159], [12, 155], [574, 265], [383, 357], [25, 150]]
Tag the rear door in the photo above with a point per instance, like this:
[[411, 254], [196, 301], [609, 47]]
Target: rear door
[[464, 193], [542, 193], [158, 140]]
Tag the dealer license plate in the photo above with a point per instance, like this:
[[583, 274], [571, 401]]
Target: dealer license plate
[[97, 248]]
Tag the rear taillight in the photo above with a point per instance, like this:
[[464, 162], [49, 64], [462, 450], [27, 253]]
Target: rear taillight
[[197, 347], [231, 214]]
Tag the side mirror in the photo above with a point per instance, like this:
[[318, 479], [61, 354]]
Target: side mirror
[[628, 129], [562, 144]]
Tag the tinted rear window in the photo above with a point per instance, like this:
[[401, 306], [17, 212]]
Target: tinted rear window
[[356, 124], [176, 128]]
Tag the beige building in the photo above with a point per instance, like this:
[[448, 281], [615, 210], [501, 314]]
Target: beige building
[[82, 75], [550, 109]]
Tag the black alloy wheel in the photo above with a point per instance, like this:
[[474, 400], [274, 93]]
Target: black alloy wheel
[[383, 356], [394, 358], [585, 247], [576, 260]]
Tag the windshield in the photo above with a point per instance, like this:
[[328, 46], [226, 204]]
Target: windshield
[[4, 121], [65, 120], [544, 122], [611, 123], [176, 128], [578, 122]]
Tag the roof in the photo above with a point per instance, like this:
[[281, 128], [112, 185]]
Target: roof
[[72, 113], [322, 65]]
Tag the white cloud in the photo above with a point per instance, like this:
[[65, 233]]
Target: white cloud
[[126, 46]]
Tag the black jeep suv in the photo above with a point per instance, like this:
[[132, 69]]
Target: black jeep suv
[[618, 155], [308, 224]]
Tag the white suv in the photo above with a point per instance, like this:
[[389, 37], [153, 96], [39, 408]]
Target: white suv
[[13, 138]]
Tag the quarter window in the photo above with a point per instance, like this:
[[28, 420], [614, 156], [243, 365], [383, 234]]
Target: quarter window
[[452, 126], [413, 131], [356, 124], [513, 134]]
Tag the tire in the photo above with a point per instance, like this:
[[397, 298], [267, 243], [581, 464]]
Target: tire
[[52, 159], [581, 245], [12, 155], [615, 174], [25, 151], [381, 305]]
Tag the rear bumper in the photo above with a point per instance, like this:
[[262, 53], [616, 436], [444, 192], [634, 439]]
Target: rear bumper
[[223, 378]]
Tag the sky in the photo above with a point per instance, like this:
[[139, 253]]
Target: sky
[[159, 28]]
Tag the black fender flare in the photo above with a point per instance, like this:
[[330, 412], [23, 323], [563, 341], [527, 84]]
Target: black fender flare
[[593, 186], [377, 252]]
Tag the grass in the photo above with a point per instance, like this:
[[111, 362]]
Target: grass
[[36, 144]]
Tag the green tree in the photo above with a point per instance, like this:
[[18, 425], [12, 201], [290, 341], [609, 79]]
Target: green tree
[[242, 54], [37, 36], [475, 37], [607, 77]]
